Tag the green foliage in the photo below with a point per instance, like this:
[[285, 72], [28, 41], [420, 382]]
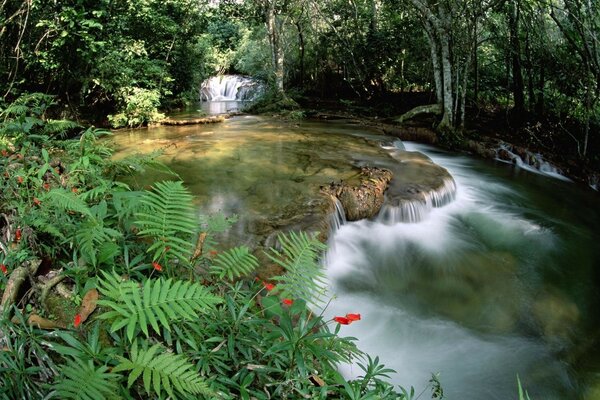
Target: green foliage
[[304, 277], [162, 371], [158, 302], [24, 361], [234, 263], [209, 329], [168, 220], [139, 107], [523, 395], [82, 380]]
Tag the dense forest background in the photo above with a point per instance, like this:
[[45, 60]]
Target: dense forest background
[[528, 67]]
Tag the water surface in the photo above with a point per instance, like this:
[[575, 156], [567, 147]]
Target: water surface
[[501, 281]]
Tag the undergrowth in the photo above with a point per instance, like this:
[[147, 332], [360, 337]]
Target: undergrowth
[[147, 306]]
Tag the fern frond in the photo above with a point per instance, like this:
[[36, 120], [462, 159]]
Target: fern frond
[[138, 163], [59, 126], [82, 380], [299, 254], [92, 235], [66, 201], [162, 371], [234, 263], [168, 220], [157, 302]]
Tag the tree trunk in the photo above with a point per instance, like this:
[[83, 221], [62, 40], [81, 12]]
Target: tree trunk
[[276, 50], [436, 62], [448, 116], [302, 53], [515, 48]]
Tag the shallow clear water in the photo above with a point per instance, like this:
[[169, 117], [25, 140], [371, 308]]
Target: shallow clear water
[[266, 171], [501, 281]]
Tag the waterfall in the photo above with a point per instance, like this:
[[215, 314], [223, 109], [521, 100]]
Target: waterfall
[[415, 210], [533, 162], [230, 88], [338, 218]]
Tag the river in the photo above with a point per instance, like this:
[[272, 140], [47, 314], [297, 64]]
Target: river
[[500, 281]]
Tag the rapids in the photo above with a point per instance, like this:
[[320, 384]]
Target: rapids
[[499, 281], [493, 275]]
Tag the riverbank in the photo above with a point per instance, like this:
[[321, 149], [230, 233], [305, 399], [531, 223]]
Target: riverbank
[[489, 135]]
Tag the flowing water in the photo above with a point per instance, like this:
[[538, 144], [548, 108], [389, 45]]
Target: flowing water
[[501, 281], [494, 276]]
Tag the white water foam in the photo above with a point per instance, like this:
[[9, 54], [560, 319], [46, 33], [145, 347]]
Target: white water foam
[[385, 272], [534, 162]]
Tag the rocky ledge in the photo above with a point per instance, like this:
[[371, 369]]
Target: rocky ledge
[[363, 196]]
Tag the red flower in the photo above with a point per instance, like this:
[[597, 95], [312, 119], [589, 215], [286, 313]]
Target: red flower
[[3, 269], [20, 179], [36, 201], [287, 302], [342, 320], [77, 320], [4, 153], [18, 234], [74, 190], [46, 186], [353, 317], [268, 286], [157, 266]]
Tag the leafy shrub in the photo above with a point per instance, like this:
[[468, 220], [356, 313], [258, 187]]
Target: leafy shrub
[[138, 107]]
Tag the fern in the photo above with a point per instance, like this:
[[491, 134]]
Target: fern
[[162, 371], [158, 302], [66, 201], [82, 380], [168, 220], [59, 127], [214, 224], [304, 278], [234, 263]]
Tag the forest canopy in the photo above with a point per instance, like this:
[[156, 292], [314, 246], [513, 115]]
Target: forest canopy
[[536, 61]]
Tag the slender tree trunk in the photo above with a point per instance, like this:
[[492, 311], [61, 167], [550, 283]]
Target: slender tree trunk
[[302, 53], [276, 50], [515, 48], [475, 63], [448, 116], [436, 63]]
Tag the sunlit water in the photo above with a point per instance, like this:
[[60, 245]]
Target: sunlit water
[[501, 281]]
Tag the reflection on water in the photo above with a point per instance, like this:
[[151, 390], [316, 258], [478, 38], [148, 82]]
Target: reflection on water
[[501, 281], [264, 170]]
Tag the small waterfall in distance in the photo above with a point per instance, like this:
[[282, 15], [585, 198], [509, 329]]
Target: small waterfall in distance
[[231, 88]]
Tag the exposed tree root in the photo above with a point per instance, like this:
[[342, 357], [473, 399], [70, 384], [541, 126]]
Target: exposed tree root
[[46, 287], [15, 282], [435, 109]]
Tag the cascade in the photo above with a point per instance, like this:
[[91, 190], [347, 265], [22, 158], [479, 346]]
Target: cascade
[[338, 218], [415, 210], [230, 88], [533, 162], [419, 186]]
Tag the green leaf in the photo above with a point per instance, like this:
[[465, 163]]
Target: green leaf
[[157, 303], [162, 368]]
